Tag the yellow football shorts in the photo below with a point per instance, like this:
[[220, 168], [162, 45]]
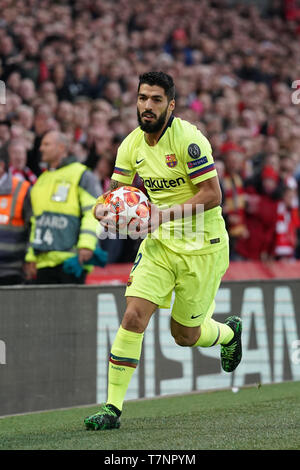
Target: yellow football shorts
[[158, 271]]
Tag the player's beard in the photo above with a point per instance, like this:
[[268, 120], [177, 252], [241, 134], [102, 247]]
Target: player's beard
[[152, 127]]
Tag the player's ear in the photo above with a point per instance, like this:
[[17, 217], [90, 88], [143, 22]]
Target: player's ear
[[172, 105]]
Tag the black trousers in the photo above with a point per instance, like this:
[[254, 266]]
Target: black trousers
[[56, 275]]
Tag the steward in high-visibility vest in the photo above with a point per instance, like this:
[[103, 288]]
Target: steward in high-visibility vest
[[62, 221], [15, 212]]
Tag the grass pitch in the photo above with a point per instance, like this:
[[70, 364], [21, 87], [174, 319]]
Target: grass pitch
[[265, 418]]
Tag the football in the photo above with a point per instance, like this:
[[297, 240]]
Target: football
[[129, 210]]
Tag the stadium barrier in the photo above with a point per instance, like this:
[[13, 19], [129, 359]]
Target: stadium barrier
[[55, 342]]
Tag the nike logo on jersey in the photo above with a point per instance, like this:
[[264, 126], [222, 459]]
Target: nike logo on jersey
[[139, 161]]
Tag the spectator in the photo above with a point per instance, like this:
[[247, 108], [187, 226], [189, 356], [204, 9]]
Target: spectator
[[15, 213], [17, 161], [14, 81], [99, 142], [96, 81], [262, 196], [60, 80], [78, 85], [27, 91], [25, 117], [103, 171], [287, 171], [4, 132], [9, 55], [62, 220], [112, 92], [250, 69], [178, 47], [41, 125], [288, 222], [234, 197], [65, 114]]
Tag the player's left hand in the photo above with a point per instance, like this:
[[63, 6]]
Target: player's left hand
[[154, 221]]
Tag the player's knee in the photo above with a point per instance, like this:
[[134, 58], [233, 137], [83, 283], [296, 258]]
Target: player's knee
[[184, 336], [133, 320], [184, 340]]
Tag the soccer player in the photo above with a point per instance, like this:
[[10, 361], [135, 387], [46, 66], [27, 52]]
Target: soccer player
[[175, 162]]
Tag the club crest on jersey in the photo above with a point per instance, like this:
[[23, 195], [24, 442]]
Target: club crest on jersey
[[171, 160]]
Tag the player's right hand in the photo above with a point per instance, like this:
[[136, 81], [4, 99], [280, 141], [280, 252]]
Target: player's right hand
[[100, 211], [102, 214]]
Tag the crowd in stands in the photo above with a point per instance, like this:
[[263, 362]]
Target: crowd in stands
[[73, 66]]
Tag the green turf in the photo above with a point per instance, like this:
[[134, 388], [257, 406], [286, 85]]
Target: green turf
[[254, 418]]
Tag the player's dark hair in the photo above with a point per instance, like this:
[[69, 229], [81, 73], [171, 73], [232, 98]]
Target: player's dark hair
[[161, 79]]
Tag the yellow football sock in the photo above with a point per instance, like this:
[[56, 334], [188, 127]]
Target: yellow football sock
[[124, 358], [212, 333]]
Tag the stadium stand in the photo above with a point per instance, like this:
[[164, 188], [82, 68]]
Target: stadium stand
[[74, 66]]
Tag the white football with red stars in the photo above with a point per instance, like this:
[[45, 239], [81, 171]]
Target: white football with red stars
[[128, 209]]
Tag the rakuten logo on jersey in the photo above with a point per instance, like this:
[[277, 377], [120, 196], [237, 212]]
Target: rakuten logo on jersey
[[159, 184]]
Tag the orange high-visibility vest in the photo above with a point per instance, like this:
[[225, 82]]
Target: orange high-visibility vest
[[11, 205], [13, 229]]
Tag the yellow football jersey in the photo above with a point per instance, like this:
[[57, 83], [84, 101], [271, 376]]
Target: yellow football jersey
[[170, 170]]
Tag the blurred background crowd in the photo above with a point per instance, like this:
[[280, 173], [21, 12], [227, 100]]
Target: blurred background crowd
[[73, 66]]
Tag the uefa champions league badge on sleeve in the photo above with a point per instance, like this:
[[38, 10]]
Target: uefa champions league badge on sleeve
[[194, 151]]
